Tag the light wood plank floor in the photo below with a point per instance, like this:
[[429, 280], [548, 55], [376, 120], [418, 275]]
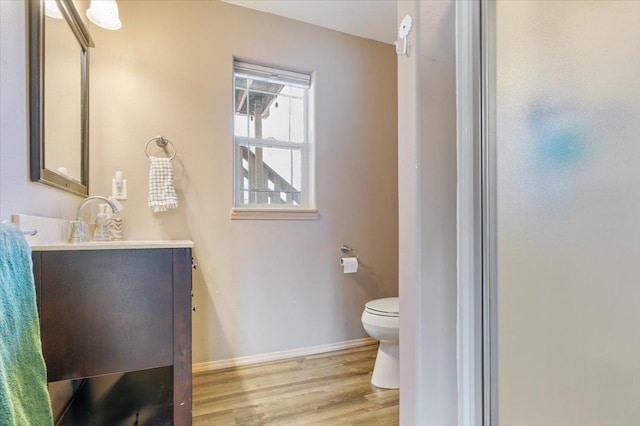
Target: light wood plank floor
[[327, 389]]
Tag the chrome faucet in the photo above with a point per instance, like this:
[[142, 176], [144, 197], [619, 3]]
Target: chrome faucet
[[79, 226]]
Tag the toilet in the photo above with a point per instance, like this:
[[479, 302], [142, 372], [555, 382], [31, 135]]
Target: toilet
[[381, 321]]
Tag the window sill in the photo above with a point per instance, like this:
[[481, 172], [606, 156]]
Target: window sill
[[273, 214]]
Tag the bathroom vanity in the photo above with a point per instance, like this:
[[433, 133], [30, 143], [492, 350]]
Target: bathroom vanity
[[116, 320]]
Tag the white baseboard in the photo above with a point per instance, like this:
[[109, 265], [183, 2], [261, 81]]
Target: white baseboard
[[277, 356]]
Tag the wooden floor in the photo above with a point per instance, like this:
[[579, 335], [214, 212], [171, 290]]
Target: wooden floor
[[327, 389]]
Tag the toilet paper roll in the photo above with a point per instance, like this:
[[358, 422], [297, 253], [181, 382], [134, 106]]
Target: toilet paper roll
[[350, 264]]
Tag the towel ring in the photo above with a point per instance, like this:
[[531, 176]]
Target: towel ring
[[162, 142]]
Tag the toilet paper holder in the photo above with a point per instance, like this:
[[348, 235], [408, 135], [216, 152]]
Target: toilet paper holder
[[346, 249]]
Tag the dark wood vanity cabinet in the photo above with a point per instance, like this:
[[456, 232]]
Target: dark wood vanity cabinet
[[124, 312]]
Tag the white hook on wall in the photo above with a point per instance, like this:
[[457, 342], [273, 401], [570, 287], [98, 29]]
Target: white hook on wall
[[403, 32]]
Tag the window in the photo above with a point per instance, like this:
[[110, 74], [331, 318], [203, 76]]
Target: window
[[271, 140]]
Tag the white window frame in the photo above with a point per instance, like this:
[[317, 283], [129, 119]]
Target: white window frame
[[306, 209]]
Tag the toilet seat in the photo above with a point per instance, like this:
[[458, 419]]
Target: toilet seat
[[387, 307]]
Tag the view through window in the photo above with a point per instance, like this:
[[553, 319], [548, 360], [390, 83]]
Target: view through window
[[271, 137]]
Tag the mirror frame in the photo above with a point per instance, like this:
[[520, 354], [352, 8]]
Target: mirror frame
[[38, 171]]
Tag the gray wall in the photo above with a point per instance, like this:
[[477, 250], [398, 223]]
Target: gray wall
[[261, 286], [427, 202]]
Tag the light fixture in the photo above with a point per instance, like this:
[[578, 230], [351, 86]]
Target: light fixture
[[104, 13], [51, 9]]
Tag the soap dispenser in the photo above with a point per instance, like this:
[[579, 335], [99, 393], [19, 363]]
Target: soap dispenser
[[102, 232]]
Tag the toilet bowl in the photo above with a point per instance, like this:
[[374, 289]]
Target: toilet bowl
[[381, 321]]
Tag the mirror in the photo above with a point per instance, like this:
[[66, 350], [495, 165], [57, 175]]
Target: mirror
[[59, 95]]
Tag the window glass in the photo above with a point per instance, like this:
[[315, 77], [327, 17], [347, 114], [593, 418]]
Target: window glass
[[270, 129]]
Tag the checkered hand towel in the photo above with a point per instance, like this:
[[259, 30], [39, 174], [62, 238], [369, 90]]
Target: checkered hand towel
[[162, 193]]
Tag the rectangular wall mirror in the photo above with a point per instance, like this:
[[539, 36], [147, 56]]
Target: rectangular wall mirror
[[59, 45]]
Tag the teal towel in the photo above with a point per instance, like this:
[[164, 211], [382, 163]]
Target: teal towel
[[24, 399]]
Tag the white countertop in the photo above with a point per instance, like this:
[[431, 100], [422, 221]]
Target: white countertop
[[114, 245]]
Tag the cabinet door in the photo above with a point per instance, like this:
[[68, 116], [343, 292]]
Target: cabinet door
[[106, 311]]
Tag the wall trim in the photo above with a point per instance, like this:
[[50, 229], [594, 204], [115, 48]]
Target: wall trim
[[468, 220], [487, 104], [238, 213], [277, 356]]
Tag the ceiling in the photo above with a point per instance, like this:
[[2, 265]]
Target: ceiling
[[373, 19]]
